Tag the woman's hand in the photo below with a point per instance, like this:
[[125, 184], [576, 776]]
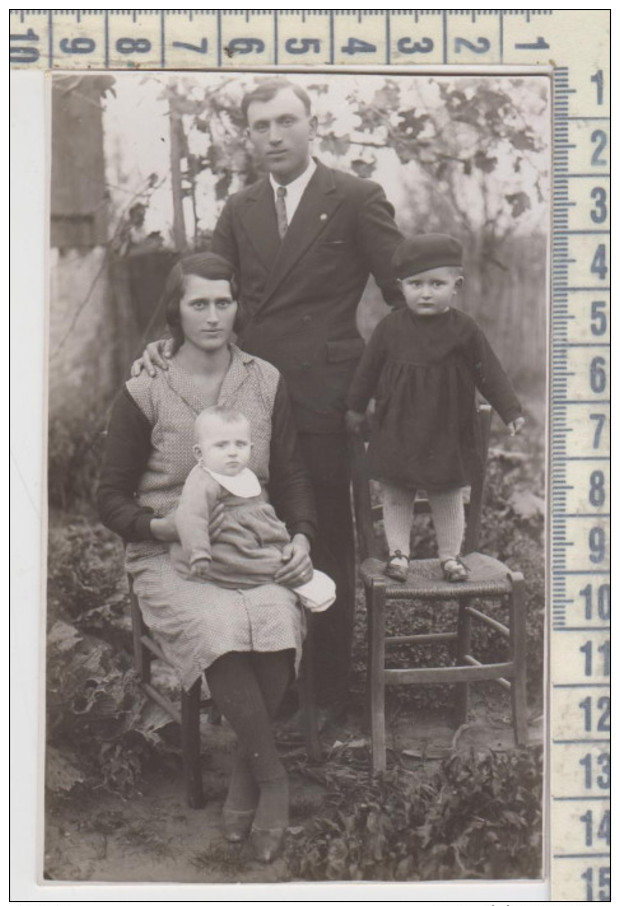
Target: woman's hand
[[296, 563], [155, 355], [164, 528]]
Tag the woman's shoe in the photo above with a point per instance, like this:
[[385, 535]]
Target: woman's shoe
[[266, 842], [454, 570], [396, 570], [237, 824]]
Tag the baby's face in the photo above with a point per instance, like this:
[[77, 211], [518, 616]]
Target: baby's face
[[224, 447], [431, 292]]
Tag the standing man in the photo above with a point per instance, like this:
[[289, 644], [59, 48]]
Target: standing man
[[304, 241]]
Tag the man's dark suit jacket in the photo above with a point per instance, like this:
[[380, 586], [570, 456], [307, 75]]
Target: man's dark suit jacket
[[299, 295]]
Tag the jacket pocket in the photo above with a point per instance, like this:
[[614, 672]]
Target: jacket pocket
[[344, 350]]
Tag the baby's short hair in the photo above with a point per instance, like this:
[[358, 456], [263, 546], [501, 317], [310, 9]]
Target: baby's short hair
[[223, 414], [426, 252]]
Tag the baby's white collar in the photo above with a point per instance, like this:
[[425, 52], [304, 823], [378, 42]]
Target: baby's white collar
[[245, 484]]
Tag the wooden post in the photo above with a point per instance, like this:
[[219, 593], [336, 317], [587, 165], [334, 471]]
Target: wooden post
[[176, 125]]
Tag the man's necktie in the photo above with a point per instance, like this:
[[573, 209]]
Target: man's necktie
[[281, 211]]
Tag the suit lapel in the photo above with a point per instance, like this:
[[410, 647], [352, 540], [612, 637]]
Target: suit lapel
[[315, 209], [260, 222]]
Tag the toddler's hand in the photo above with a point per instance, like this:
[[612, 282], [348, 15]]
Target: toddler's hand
[[201, 569], [515, 426], [354, 421]]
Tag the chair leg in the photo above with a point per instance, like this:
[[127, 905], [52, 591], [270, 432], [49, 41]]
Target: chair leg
[[307, 696], [377, 677], [190, 744], [368, 683], [463, 647], [518, 644]]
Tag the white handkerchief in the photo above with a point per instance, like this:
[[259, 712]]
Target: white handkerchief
[[245, 484], [318, 594]]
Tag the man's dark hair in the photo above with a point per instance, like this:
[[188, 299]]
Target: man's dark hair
[[267, 90]]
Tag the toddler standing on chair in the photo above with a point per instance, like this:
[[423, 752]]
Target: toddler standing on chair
[[250, 540], [423, 365]]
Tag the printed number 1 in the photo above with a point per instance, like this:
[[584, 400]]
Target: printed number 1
[[597, 79]]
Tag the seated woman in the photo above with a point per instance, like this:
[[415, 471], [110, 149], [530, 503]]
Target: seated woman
[[246, 640]]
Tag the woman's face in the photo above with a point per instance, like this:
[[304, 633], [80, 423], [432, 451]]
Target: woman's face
[[207, 311]]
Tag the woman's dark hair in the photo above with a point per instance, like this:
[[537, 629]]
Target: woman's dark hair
[[201, 264]]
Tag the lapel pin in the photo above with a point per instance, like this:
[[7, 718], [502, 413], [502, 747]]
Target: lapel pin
[[323, 217]]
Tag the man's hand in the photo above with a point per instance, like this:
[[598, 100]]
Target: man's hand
[[515, 426], [164, 528], [201, 568], [296, 563], [155, 355], [354, 421]]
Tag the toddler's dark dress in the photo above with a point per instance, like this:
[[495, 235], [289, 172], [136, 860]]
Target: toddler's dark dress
[[423, 373]]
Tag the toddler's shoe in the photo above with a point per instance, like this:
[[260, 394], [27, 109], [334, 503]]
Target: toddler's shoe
[[397, 566], [454, 570]]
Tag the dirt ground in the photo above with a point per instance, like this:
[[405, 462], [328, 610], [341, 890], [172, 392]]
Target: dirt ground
[[154, 836]]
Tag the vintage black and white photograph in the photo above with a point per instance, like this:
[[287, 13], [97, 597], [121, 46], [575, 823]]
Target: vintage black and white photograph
[[297, 365]]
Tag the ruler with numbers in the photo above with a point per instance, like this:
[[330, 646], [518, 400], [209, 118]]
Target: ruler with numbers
[[574, 45]]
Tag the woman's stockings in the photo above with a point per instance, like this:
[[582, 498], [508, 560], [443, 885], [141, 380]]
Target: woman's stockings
[[248, 688]]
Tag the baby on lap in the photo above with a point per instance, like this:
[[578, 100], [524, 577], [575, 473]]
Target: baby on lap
[[249, 544]]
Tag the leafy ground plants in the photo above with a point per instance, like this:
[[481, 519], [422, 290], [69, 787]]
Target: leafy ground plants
[[477, 817]]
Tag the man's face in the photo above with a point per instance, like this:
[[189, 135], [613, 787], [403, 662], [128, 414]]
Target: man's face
[[281, 131]]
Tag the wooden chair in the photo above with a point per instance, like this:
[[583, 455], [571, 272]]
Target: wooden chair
[[487, 578], [188, 714]]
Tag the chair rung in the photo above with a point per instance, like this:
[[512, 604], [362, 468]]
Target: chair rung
[[162, 701], [465, 674], [415, 639], [445, 592], [155, 649], [503, 682], [485, 618]]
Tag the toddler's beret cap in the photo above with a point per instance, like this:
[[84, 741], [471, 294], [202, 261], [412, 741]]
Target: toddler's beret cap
[[426, 251]]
